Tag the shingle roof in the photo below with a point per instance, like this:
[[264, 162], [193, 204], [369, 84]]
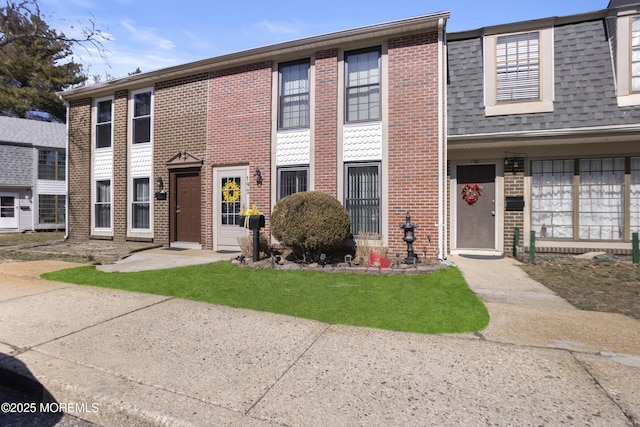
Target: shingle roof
[[32, 132], [620, 3]]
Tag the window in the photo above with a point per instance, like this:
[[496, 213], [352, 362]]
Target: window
[[103, 204], [518, 67], [51, 164], [635, 54], [103, 124], [140, 204], [142, 117], [634, 196], [292, 180], [294, 95], [362, 85], [518, 72], [601, 208], [598, 191], [7, 207], [362, 197], [552, 198], [51, 209], [627, 57]]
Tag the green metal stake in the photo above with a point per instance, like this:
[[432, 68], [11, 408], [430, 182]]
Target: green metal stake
[[516, 241], [532, 248], [636, 249]]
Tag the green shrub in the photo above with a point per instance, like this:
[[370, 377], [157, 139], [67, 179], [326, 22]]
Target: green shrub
[[310, 223]]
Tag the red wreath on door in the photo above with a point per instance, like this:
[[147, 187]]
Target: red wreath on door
[[471, 193]]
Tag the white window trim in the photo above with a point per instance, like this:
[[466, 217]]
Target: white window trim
[[545, 104], [94, 122], [140, 232], [625, 96], [131, 111], [101, 231], [131, 231]]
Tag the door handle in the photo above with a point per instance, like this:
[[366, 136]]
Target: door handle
[[177, 209], [493, 213]]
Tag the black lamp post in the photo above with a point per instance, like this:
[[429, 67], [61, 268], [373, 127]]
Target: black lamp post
[[409, 237]]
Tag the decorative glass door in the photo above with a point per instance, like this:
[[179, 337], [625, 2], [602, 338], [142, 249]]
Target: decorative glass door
[[230, 197]]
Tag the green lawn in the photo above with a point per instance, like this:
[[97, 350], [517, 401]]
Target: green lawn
[[440, 302]]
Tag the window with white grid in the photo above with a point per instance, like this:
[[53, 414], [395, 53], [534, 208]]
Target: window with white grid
[[601, 193], [552, 198]]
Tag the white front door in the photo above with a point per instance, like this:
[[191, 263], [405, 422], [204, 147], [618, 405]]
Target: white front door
[[8, 211], [229, 196]]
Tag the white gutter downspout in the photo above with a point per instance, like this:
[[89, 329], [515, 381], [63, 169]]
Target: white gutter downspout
[[66, 175], [441, 138]]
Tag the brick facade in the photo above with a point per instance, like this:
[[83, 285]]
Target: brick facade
[[79, 179], [513, 186], [119, 184], [239, 131], [413, 140], [326, 122], [225, 117], [180, 112]]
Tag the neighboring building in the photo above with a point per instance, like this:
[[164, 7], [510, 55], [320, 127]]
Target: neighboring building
[[33, 183], [171, 156], [545, 116]]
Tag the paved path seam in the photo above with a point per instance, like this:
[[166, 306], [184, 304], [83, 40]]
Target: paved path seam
[[604, 391], [294, 363]]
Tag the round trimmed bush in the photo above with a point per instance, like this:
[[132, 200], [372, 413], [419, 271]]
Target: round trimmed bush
[[310, 223]]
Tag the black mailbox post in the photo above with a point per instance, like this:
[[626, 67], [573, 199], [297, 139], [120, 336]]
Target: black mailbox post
[[256, 222]]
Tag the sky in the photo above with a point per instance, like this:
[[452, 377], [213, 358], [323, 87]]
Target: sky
[[151, 35]]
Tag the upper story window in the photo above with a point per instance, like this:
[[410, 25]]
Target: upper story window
[[627, 42], [294, 95], [518, 72], [104, 114], [51, 164], [635, 54], [142, 117], [518, 67], [362, 80]]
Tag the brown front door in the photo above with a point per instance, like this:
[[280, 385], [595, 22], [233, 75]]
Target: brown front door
[[476, 221], [187, 207]]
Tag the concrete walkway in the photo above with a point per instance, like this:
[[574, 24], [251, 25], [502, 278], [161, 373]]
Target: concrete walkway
[[119, 358]]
